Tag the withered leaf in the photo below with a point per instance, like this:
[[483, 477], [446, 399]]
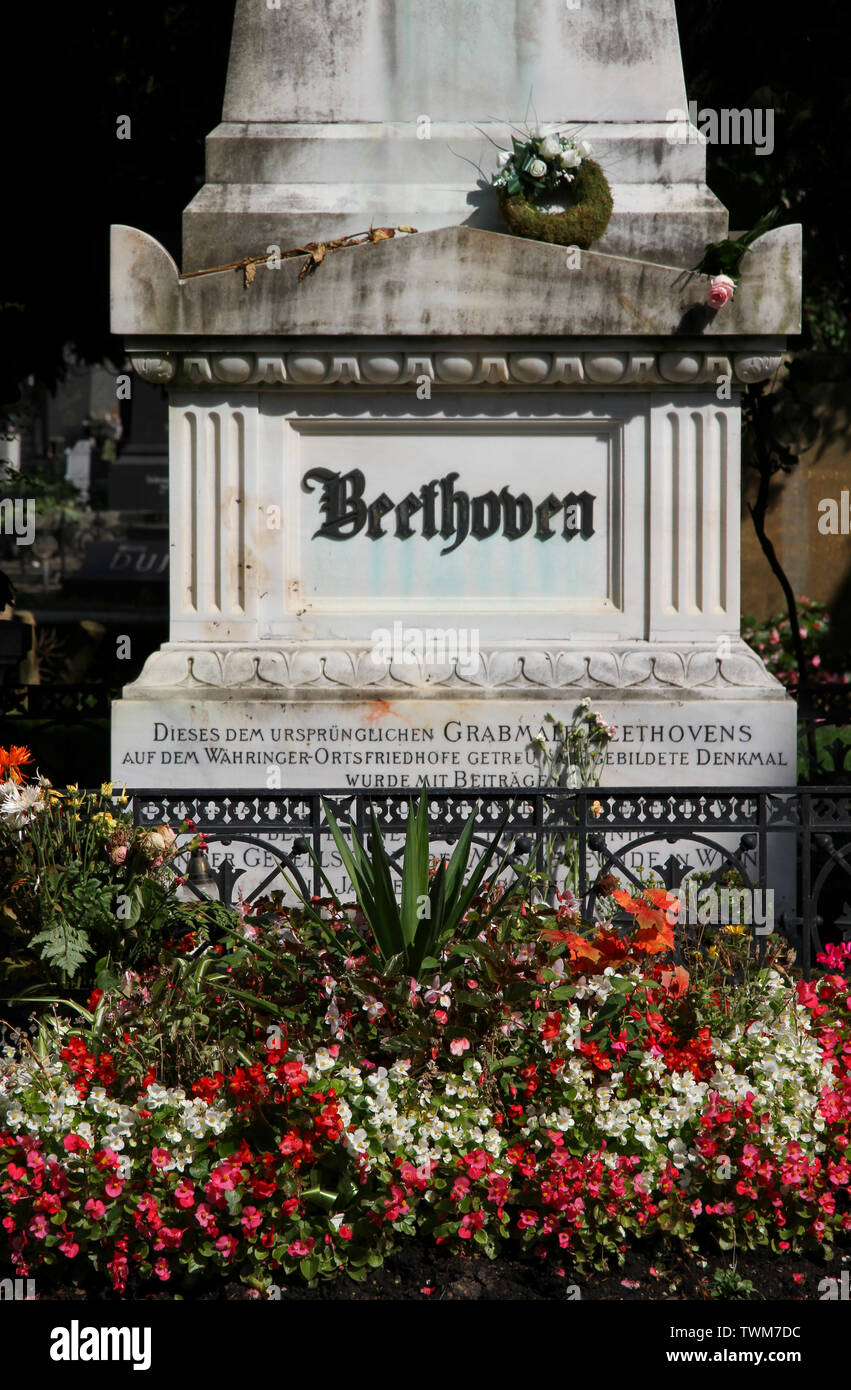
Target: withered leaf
[[406, 229], [315, 258], [381, 233], [250, 270]]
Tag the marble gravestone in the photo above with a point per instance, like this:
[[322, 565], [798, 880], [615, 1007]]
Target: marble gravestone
[[456, 480]]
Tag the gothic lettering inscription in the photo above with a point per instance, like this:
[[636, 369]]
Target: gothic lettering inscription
[[440, 509]]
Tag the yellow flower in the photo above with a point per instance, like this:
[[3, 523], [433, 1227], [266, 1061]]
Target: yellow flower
[[106, 789], [737, 931], [713, 951], [72, 787], [597, 808]]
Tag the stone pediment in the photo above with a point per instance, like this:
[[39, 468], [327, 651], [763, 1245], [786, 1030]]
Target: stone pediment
[[453, 282]]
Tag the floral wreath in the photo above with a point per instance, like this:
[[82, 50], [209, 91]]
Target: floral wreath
[[548, 162]]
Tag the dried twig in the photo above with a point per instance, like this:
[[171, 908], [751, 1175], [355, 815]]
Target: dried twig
[[315, 251]]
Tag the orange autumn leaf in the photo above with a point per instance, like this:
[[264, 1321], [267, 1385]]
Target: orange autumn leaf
[[653, 933], [591, 954], [581, 951], [660, 897]]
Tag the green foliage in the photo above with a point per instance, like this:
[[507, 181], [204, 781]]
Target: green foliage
[[48, 492], [569, 755], [772, 639], [81, 888], [411, 933], [725, 257], [728, 1283]]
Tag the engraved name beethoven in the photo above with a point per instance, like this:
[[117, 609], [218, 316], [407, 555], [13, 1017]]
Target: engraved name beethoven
[[443, 510]]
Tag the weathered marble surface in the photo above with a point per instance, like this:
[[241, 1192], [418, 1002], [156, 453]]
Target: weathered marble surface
[[454, 282], [196, 742], [339, 115]]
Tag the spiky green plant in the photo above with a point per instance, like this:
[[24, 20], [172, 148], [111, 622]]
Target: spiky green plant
[[412, 928]]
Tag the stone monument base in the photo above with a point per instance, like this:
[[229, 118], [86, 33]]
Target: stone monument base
[[180, 739]]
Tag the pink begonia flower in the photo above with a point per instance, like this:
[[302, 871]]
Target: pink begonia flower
[[95, 1208], [301, 1247], [227, 1245], [721, 289], [184, 1194], [459, 1046], [251, 1218]]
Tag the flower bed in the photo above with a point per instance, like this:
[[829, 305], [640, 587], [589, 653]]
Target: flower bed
[[547, 1088]]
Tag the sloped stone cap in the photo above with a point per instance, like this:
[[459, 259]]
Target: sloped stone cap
[[456, 282]]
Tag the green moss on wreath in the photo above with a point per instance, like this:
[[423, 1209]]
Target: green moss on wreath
[[579, 225]]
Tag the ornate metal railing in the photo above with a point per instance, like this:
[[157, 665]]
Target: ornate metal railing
[[795, 843]]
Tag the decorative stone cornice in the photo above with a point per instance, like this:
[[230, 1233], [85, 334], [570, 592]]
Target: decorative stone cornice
[[591, 369], [292, 672]]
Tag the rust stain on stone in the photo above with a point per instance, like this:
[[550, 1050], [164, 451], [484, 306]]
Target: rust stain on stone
[[378, 709]]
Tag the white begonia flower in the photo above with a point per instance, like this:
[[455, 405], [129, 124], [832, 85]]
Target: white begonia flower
[[569, 159], [537, 168], [549, 147]]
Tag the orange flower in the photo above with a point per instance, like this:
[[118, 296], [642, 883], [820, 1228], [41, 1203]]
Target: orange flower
[[676, 981], [11, 762], [653, 933], [592, 954]]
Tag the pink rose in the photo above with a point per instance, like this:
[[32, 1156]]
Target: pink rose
[[721, 289]]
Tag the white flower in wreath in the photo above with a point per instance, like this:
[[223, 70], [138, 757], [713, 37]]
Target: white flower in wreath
[[502, 158], [541, 132], [585, 148], [549, 147], [570, 159], [537, 168]]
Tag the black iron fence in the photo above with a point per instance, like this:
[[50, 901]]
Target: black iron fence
[[791, 846]]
